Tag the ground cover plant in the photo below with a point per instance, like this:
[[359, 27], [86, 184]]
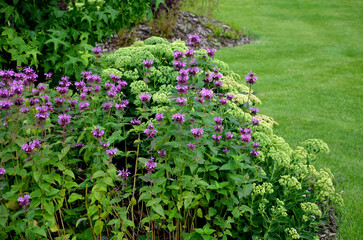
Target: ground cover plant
[[309, 57], [160, 141]]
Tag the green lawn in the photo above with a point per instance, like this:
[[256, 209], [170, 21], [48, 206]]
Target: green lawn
[[309, 60]]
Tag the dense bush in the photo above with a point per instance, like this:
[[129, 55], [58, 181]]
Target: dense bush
[[58, 35], [166, 143]]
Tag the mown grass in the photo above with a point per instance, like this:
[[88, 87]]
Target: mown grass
[[309, 59]]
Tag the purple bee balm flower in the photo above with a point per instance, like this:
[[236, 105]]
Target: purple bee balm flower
[[123, 174], [254, 111], [218, 128], [159, 117], [218, 120], [197, 132], [6, 105], [109, 85], [111, 93], [182, 79], [216, 76], [211, 52], [192, 120], [42, 87], [191, 146], [207, 80], [107, 106], [179, 118], [194, 40], [254, 153], [24, 201], [135, 122], [122, 106], [80, 144], [62, 90], [93, 78], [2, 172], [148, 63], [64, 120], [216, 138], [162, 153], [144, 97], [115, 77], [59, 101], [189, 53], [255, 121], [72, 103], [28, 147], [111, 152], [97, 51], [83, 106], [251, 78], [122, 84], [245, 131], [218, 84], [97, 89], [181, 101], [86, 74], [97, 132], [183, 72], [229, 136], [41, 115], [150, 165], [246, 138], [193, 71], [179, 65], [229, 96], [178, 55], [182, 88], [25, 110], [150, 131], [17, 89], [105, 144], [79, 85], [36, 144], [226, 150], [255, 145], [206, 94], [48, 75], [201, 100]]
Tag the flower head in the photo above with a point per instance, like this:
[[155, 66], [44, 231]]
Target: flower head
[[24, 201], [107, 106], [218, 120], [181, 101], [150, 131], [97, 132], [144, 97], [197, 132], [159, 117], [246, 138], [229, 136], [211, 52], [124, 174], [150, 165], [105, 144], [226, 150], [216, 138], [194, 40], [251, 78], [148, 63], [178, 55], [98, 51], [191, 146], [255, 121], [206, 94], [64, 120], [111, 152], [2, 172], [179, 118], [135, 122], [83, 106], [254, 153], [28, 147], [218, 128], [162, 153], [254, 111]]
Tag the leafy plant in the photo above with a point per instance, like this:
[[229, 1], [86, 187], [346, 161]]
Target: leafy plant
[[59, 35], [165, 143]]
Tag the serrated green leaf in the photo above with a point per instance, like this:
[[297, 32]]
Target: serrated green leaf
[[158, 209], [74, 197], [98, 227], [69, 173]]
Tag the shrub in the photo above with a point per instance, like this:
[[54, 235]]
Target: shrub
[[59, 35], [130, 155]]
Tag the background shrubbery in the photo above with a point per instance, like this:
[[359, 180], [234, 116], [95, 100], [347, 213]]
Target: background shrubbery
[[126, 155], [58, 35]]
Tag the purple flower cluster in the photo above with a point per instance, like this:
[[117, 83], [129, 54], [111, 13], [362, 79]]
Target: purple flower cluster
[[2, 172], [97, 132], [179, 118], [144, 97], [97, 51], [135, 122], [197, 132], [30, 146], [254, 111], [245, 134], [255, 121], [150, 131], [194, 40], [64, 120], [150, 165], [211, 52], [148, 63], [123, 174], [159, 117], [24, 201], [162, 153], [254, 152], [111, 152], [251, 78]]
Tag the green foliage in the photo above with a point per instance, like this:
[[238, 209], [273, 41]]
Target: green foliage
[[59, 35], [220, 189]]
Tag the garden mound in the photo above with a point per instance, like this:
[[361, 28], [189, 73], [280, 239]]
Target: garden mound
[[186, 23]]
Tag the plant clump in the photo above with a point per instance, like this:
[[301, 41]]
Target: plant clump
[[163, 142]]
